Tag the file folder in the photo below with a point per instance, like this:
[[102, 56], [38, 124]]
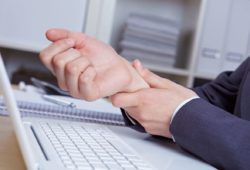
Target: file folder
[[213, 36], [236, 44]]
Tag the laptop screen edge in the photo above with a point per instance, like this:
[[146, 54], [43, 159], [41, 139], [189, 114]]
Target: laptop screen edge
[[14, 113]]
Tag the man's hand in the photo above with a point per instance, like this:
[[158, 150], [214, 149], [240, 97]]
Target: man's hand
[[153, 107], [88, 68]]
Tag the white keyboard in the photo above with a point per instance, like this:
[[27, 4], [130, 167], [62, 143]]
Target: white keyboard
[[90, 147]]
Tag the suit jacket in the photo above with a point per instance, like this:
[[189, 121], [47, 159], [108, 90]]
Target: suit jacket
[[216, 127]]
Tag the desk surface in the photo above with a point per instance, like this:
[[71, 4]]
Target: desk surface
[[162, 152], [10, 155]]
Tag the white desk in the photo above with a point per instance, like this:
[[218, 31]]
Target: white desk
[[161, 153]]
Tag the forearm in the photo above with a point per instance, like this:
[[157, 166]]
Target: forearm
[[212, 134]]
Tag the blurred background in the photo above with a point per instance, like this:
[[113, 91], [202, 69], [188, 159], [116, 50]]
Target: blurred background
[[187, 41]]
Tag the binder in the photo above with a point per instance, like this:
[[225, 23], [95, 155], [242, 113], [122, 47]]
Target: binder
[[213, 36], [236, 42], [31, 104], [33, 109]]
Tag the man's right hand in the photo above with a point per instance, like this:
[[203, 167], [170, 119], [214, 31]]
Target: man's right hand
[[88, 68]]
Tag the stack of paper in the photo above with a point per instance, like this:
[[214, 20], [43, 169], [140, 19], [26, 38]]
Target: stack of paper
[[152, 39]]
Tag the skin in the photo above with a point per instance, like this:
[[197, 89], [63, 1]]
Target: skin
[[153, 107], [88, 68]]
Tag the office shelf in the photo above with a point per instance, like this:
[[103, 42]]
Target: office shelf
[[189, 13], [106, 19], [205, 76], [168, 70]]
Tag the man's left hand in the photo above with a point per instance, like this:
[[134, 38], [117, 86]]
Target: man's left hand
[[153, 107]]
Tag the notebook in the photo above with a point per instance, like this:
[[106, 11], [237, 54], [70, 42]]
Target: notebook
[[32, 109], [32, 104]]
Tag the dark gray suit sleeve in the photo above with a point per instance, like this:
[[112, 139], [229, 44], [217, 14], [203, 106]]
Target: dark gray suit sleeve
[[223, 91], [213, 134], [208, 128]]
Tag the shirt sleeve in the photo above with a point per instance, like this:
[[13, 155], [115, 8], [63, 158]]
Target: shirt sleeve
[[179, 107]]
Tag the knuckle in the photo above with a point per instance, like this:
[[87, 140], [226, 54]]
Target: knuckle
[[83, 79], [71, 68], [58, 61], [85, 76]]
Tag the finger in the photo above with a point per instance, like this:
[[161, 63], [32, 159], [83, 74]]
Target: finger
[[59, 34], [152, 79], [59, 62], [73, 70], [54, 49], [125, 100], [138, 66], [132, 112], [87, 87], [155, 81]]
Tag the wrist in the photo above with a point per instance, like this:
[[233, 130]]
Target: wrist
[[136, 81]]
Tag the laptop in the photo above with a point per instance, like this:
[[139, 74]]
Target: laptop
[[48, 144]]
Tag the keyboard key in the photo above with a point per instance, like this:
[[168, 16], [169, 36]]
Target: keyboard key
[[88, 148]]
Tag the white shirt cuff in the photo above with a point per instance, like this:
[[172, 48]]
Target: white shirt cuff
[[179, 107]]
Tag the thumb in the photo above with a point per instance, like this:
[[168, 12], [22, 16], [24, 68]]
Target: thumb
[[138, 67], [56, 34], [152, 79]]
